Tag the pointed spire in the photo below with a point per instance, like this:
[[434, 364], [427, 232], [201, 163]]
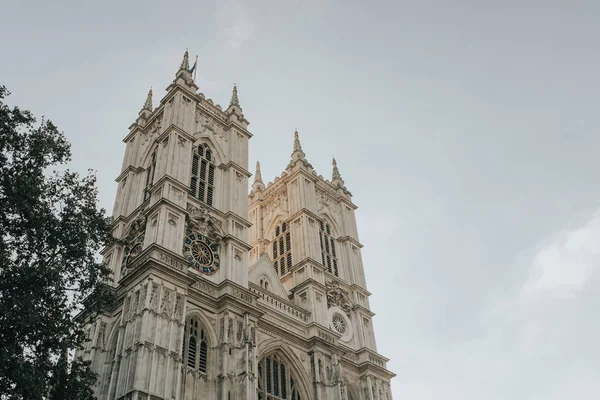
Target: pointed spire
[[258, 184], [234, 97], [336, 171], [185, 64], [297, 146], [336, 178], [258, 175], [298, 154], [148, 103]]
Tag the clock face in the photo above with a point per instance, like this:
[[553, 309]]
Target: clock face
[[132, 251], [202, 253]]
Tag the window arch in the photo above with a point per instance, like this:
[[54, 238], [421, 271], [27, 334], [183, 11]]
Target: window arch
[[195, 346], [328, 254], [150, 175], [276, 381], [203, 174], [282, 249], [264, 283]]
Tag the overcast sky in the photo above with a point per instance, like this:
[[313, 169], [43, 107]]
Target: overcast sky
[[468, 132]]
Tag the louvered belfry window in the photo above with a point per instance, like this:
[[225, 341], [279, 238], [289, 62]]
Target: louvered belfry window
[[282, 249], [195, 347], [202, 182], [275, 380], [328, 254], [150, 175]]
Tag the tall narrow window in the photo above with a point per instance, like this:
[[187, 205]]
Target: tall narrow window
[[150, 175], [328, 255], [282, 249], [275, 381], [195, 347], [202, 182]]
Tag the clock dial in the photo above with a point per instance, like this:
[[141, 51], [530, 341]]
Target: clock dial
[[132, 251], [202, 253]]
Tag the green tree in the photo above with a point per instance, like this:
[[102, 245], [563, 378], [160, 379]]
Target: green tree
[[51, 230]]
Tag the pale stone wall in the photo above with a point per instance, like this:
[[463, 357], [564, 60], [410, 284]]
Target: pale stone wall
[[316, 323]]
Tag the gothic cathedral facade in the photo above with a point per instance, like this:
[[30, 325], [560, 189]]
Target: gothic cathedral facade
[[224, 295]]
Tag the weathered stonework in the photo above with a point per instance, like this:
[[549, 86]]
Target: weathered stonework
[[283, 314]]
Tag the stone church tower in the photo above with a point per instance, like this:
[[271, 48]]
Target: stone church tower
[[224, 296]]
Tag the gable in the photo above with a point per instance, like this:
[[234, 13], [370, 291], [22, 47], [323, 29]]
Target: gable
[[263, 269]]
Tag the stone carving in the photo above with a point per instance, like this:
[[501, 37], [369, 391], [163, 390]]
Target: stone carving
[[303, 297], [321, 375], [338, 297], [240, 328], [179, 306], [136, 302], [337, 371], [154, 129], [209, 125], [230, 337], [101, 334], [143, 297], [154, 297], [279, 202], [248, 333], [136, 228], [165, 307], [199, 220]]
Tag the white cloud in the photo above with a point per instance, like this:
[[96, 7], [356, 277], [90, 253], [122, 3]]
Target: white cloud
[[562, 268]]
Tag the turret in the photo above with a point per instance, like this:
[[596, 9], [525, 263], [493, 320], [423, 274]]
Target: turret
[[298, 153], [234, 111]]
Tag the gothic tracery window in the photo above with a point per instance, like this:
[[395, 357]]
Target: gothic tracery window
[[195, 346], [328, 255], [275, 380], [203, 174], [150, 175], [282, 249]]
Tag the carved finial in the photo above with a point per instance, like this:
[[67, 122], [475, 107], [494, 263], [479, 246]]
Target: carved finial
[[336, 171], [148, 103], [258, 184], [185, 64], [336, 178], [297, 146], [257, 175], [234, 97], [298, 154]]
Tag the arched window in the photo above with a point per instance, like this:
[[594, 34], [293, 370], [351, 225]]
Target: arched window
[[203, 174], [282, 250], [150, 175], [264, 283], [195, 346], [328, 255], [275, 380]]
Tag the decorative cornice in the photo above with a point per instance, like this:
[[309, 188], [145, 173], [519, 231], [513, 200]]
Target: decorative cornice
[[237, 167], [351, 240], [171, 129], [237, 218], [127, 170], [300, 212]]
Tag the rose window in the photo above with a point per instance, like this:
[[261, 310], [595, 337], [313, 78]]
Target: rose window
[[339, 324]]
